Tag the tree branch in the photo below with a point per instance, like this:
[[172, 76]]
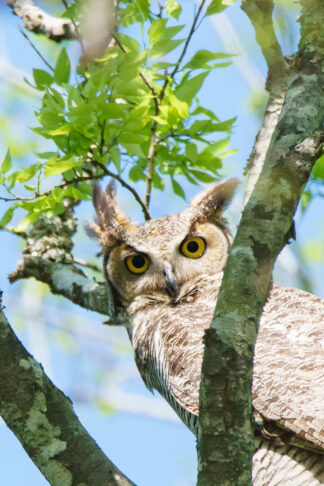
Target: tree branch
[[266, 226], [47, 257], [126, 185], [260, 15], [64, 279], [36, 20], [44, 421]]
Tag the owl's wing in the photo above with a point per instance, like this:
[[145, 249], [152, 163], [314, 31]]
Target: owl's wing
[[288, 377]]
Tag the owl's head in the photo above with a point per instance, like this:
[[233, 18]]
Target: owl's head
[[161, 257]]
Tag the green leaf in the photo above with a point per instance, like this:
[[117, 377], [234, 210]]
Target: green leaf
[[144, 8], [58, 193], [204, 111], [180, 106], [177, 189], [156, 30], [42, 78], [215, 6], [58, 165], [202, 176], [114, 110], [86, 188], [11, 179], [75, 193], [62, 130], [208, 162], [6, 163], [57, 208], [27, 221], [225, 126], [45, 155], [129, 43], [62, 68], [191, 151], [189, 87], [157, 181], [7, 217], [217, 147], [27, 173], [172, 8], [136, 174], [318, 169], [115, 157], [134, 149], [202, 57], [159, 33], [162, 48]]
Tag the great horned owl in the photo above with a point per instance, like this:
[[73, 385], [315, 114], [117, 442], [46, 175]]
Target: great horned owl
[[167, 273]]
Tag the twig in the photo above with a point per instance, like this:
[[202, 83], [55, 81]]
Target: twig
[[146, 81], [184, 50], [64, 184], [150, 163], [124, 184], [192, 30], [36, 50], [157, 101], [153, 142], [84, 263]]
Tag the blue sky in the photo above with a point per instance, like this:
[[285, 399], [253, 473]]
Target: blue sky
[[149, 451]]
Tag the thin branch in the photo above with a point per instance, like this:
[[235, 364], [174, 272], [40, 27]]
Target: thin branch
[[150, 163], [36, 20], [146, 81], [61, 186], [40, 55], [84, 263], [154, 140], [192, 30], [124, 184]]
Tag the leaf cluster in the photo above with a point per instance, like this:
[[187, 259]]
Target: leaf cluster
[[133, 114]]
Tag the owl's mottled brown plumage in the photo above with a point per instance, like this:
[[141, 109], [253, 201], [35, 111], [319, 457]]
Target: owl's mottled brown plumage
[[170, 305]]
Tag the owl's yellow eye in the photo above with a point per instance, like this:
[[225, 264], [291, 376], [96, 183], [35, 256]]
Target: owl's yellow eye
[[193, 247], [137, 263]]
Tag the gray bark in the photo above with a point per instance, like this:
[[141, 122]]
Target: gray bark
[[44, 421], [36, 20], [226, 435]]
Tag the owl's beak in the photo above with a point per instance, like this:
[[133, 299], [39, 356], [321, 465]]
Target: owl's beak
[[171, 283]]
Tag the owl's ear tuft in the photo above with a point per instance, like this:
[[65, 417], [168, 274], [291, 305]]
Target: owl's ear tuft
[[212, 202], [111, 223]]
